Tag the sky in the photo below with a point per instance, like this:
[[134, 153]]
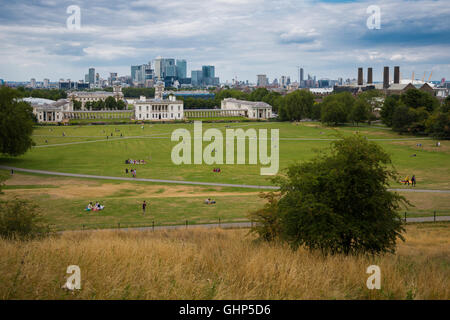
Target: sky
[[241, 38]]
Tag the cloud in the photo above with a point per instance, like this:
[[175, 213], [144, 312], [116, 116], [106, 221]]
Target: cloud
[[240, 37]]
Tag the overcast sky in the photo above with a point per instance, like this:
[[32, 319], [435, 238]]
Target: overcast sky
[[243, 38]]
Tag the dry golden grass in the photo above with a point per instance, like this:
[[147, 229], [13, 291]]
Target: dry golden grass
[[218, 264]]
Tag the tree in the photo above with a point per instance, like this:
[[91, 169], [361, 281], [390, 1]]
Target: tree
[[121, 105], [403, 118], [110, 103], [414, 98], [21, 220], [16, 123], [333, 112], [438, 125], [77, 105], [297, 105], [339, 202], [360, 111], [389, 106]]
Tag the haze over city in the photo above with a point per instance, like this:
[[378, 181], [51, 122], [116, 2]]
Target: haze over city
[[240, 38]]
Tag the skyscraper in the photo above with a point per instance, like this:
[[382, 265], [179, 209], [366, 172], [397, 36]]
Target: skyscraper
[[91, 75], [159, 68], [196, 77], [261, 80], [208, 75], [135, 72], [181, 69]]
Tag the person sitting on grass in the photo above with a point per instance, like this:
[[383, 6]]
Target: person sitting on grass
[[89, 207], [207, 201]]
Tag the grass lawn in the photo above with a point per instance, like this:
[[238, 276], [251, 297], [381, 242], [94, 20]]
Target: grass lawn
[[103, 156], [85, 149]]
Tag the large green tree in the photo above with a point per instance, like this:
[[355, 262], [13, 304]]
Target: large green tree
[[16, 123], [360, 111], [297, 105], [338, 202]]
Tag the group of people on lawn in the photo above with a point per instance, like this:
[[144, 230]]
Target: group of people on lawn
[[133, 172], [96, 207], [210, 201], [409, 181], [131, 161]]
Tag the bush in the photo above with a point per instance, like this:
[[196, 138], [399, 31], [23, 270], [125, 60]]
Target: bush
[[21, 220], [267, 220], [337, 203]]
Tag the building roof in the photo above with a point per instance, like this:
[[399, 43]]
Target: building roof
[[254, 104], [38, 101]]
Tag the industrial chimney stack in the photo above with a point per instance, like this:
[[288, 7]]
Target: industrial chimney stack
[[360, 77], [386, 78], [369, 76], [397, 74]]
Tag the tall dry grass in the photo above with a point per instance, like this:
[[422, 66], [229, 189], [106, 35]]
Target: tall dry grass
[[218, 264]]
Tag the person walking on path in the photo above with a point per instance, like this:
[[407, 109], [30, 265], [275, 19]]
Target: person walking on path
[[144, 206], [413, 180]]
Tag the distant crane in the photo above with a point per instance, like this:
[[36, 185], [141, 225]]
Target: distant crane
[[423, 78], [430, 76]]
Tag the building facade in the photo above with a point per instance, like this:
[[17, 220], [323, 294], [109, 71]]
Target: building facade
[[248, 109], [158, 109], [86, 96]]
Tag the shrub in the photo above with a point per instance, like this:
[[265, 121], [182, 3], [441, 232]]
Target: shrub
[[21, 220]]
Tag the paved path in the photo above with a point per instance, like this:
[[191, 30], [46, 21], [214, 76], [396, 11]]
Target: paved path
[[76, 175], [235, 225], [248, 186]]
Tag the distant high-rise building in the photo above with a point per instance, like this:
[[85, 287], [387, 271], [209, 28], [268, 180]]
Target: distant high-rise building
[[33, 82], [46, 83], [261, 80], [91, 75], [112, 78], [170, 69], [136, 75], [159, 68], [86, 78], [181, 69], [196, 77], [208, 75]]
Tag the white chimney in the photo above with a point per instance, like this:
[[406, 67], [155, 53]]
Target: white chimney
[[142, 98]]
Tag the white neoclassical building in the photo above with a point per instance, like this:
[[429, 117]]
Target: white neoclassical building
[[249, 109], [91, 96], [49, 111], [159, 109]]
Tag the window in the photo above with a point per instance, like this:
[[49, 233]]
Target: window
[[140, 108], [147, 108], [171, 115], [171, 108]]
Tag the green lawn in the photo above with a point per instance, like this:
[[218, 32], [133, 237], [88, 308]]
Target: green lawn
[[102, 156], [85, 149]]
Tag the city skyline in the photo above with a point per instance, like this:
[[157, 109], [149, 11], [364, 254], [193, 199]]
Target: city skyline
[[241, 39]]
